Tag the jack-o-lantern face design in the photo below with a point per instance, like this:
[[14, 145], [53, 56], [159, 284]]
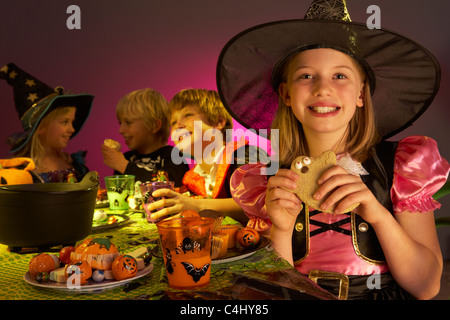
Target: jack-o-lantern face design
[[129, 263], [124, 267], [247, 237]]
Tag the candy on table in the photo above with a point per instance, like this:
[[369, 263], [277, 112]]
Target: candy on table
[[124, 267], [81, 268], [247, 237], [43, 262]]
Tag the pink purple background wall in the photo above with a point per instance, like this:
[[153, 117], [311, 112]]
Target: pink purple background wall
[[172, 45]]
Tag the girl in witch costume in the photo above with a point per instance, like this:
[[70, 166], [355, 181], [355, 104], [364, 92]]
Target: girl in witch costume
[[327, 83], [49, 119]]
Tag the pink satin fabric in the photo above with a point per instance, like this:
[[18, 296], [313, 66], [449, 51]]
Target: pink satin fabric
[[248, 188], [333, 251], [419, 172]]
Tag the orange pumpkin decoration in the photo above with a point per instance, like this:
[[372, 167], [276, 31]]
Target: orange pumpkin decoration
[[99, 253], [81, 268], [42, 263], [247, 237], [16, 171], [124, 267]]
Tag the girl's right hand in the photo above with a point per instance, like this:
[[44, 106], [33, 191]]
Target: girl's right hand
[[283, 206]]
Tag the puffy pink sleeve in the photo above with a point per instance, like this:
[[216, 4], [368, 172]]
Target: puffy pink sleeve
[[419, 172], [248, 188]]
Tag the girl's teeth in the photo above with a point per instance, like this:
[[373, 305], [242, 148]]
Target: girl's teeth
[[323, 109]]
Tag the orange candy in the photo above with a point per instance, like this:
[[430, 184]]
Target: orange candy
[[247, 237], [124, 267], [85, 271], [41, 263]]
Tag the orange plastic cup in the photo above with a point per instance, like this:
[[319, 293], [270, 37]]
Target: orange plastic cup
[[186, 247]]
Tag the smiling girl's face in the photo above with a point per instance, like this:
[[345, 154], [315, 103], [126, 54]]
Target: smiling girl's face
[[324, 87], [55, 134]]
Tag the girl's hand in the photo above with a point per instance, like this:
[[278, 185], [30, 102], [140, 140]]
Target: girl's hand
[[283, 206], [347, 189], [173, 203]]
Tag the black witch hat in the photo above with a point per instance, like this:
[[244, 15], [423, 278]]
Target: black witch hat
[[404, 76]]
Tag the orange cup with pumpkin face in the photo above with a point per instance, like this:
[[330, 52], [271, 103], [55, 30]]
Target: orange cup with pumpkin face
[[186, 247]]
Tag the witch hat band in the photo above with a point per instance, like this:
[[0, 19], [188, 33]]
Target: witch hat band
[[404, 76], [34, 100]]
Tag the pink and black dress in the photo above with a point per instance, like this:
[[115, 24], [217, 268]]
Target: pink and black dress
[[341, 252]]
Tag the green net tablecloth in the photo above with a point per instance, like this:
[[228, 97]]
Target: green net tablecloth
[[261, 275]]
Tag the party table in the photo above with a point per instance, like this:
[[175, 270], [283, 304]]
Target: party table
[[260, 275]]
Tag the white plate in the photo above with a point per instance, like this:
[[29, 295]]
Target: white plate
[[239, 253], [90, 286]]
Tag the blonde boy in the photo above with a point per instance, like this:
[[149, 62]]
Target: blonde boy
[[144, 125]]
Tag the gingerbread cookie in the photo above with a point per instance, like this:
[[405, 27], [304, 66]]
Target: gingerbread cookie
[[310, 170]]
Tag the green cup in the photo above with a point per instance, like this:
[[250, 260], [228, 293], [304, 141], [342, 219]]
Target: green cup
[[118, 189]]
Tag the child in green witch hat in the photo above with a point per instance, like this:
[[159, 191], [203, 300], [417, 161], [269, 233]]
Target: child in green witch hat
[[49, 119]]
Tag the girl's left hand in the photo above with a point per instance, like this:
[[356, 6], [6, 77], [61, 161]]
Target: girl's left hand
[[347, 189]]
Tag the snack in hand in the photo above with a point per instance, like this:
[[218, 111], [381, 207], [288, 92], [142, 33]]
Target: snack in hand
[[112, 144], [310, 170]]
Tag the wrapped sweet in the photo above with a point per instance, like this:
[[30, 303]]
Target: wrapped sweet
[[42, 277], [64, 254], [124, 267], [247, 237], [99, 215], [81, 269], [43, 262], [98, 275]]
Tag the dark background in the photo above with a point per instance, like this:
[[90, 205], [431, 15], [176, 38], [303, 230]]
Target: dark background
[[172, 45]]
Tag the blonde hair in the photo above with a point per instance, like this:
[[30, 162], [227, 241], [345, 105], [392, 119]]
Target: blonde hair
[[149, 105], [361, 132], [209, 103], [34, 149]]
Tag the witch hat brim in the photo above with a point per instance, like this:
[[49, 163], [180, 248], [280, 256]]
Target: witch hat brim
[[405, 75]]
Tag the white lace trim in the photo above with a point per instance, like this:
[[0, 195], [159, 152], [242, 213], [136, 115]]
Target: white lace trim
[[352, 166]]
